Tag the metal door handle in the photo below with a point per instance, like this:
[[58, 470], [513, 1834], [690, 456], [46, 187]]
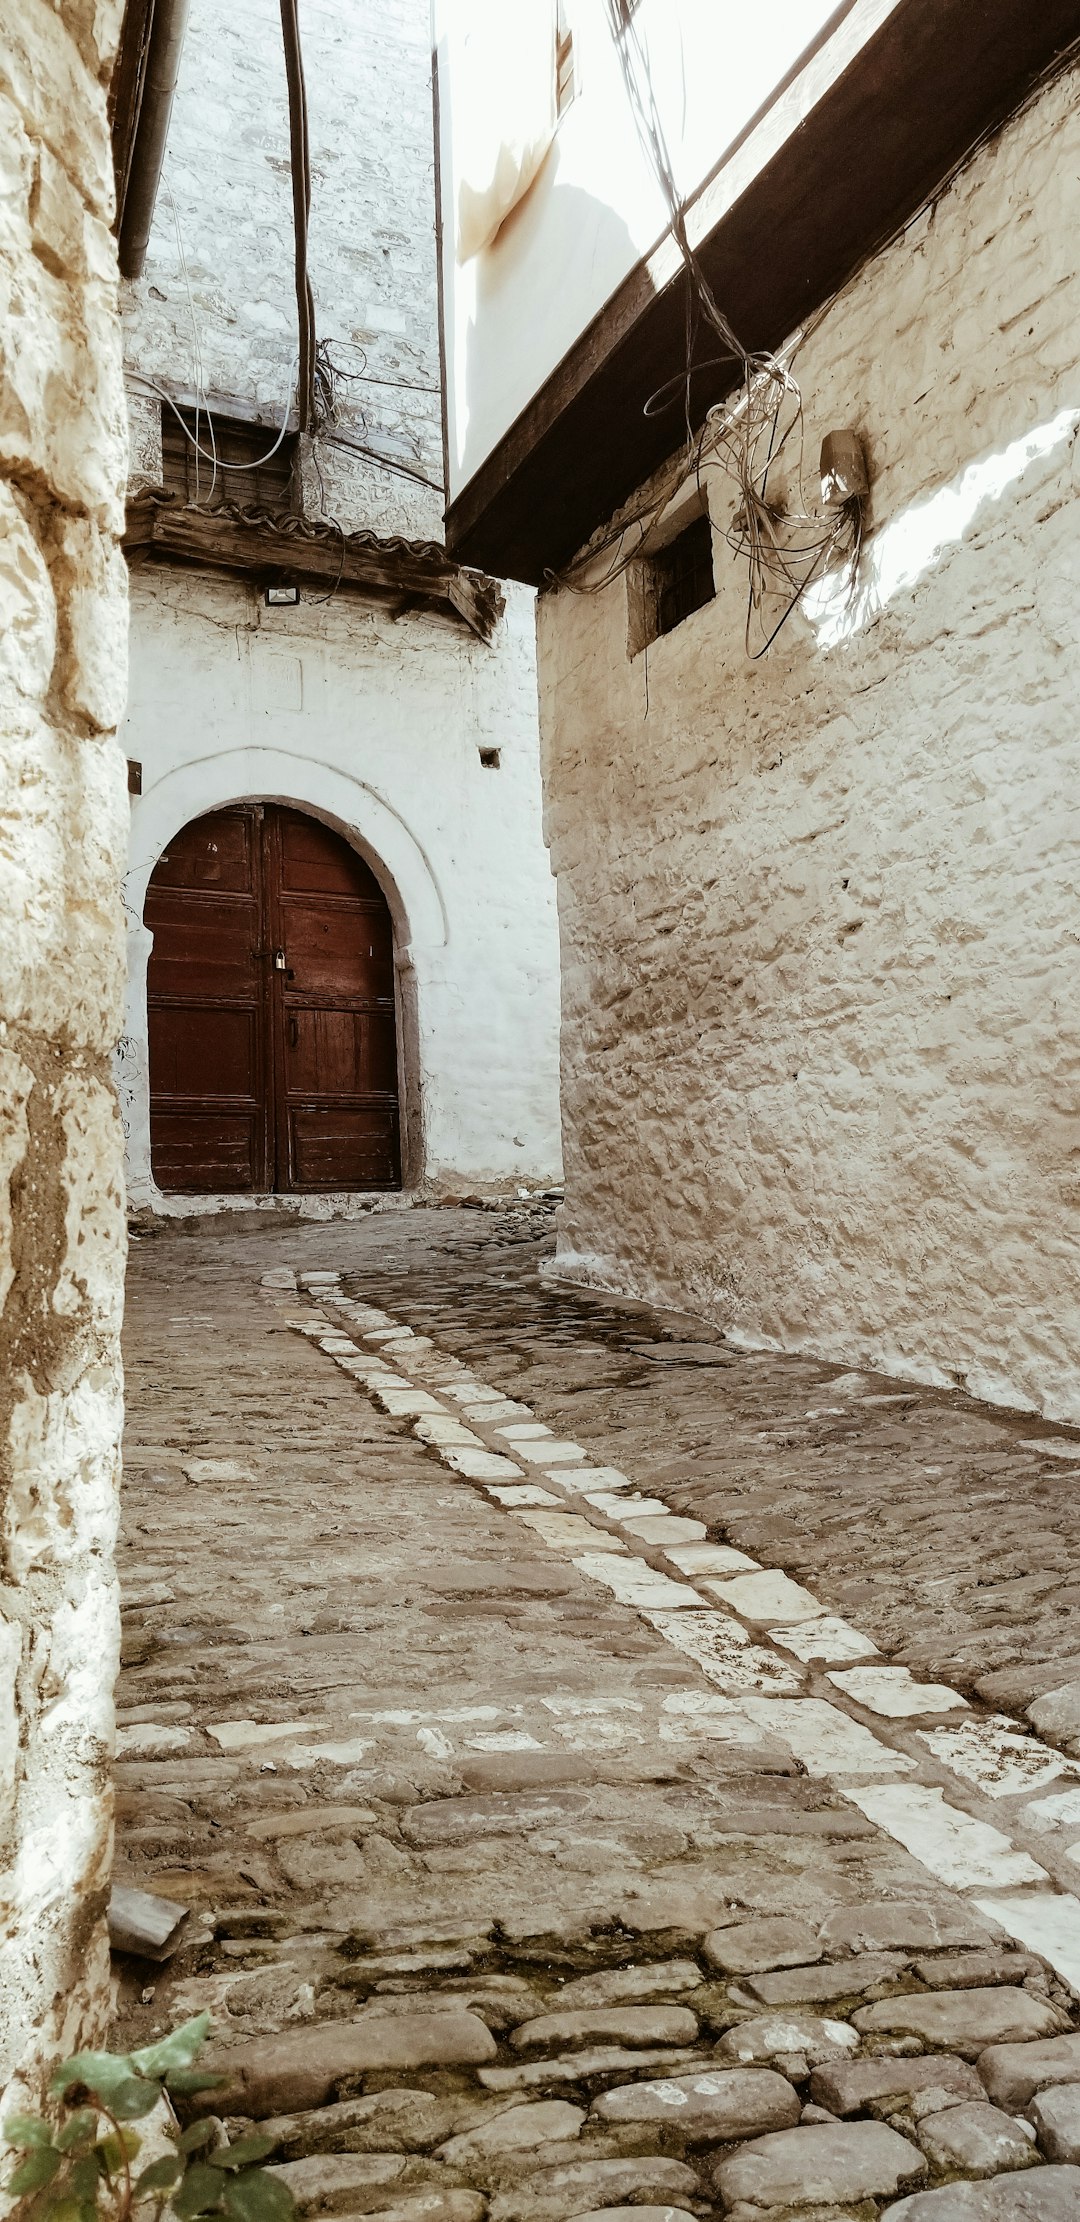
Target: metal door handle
[[294, 1031]]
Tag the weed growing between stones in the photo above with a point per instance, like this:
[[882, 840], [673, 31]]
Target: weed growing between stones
[[88, 2148]]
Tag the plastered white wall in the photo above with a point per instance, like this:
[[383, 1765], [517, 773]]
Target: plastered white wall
[[62, 828], [596, 207], [374, 725], [820, 913]]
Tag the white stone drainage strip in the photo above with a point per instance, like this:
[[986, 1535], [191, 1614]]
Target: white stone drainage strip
[[783, 1665]]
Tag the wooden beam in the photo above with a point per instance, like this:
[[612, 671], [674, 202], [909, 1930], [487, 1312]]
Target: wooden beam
[[271, 550], [786, 222]]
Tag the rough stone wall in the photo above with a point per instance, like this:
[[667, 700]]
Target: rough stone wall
[[215, 306], [62, 838], [821, 1022]]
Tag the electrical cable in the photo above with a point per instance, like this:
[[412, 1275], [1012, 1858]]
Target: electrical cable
[[300, 167]]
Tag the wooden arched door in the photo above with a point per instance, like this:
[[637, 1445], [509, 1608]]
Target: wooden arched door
[[273, 1048]]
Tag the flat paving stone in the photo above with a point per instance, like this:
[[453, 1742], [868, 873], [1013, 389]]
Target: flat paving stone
[[966, 2021], [781, 2036], [706, 2108], [575, 2188], [335, 2183], [750, 1947], [808, 1986], [286, 2073], [614, 2024], [1013, 2074], [525, 2128], [818, 2164], [1056, 2117], [977, 2141], [386, 2121], [614, 1986], [847, 2087], [1044, 2195]]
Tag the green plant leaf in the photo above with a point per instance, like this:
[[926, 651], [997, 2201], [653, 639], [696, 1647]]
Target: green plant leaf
[[81, 2128], [28, 2129], [200, 2192], [200, 2133], [133, 2098], [86, 2175], [161, 2175], [184, 2082], [179, 2050], [68, 2209], [38, 2168], [245, 2152], [99, 2072], [257, 2197]]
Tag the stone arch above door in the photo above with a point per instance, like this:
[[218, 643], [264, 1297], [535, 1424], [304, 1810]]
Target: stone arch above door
[[364, 818]]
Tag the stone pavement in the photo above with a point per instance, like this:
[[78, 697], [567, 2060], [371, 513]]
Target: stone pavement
[[557, 1839]]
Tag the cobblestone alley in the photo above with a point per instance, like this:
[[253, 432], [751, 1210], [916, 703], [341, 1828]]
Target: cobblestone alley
[[608, 1770]]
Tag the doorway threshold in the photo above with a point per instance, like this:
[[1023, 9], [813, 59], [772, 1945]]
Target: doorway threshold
[[337, 1204]]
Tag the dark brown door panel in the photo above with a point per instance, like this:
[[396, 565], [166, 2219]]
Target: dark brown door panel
[[325, 1137], [205, 1153], [273, 1039]]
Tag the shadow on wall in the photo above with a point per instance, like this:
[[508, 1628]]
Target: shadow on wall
[[588, 250]]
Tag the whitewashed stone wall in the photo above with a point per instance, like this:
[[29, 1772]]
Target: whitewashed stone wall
[[819, 913], [62, 834], [373, 724], [376, 725]]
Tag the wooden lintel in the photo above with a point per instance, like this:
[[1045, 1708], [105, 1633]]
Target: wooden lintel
[[419, 577]]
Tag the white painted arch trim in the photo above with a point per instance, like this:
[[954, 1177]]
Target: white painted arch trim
[[365, 819]]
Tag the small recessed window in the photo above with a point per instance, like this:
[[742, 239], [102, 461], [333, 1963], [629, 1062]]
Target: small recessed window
[[491, 758], [564, 61], [670, 584], [208, 459]]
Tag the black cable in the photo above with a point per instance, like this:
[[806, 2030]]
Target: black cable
[[300, 165]]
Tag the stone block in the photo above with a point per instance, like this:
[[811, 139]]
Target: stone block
[[552, 2193], [399, 2120], [966, 2021], [515, 2129], [707, 2108], [617, 2025], [750, 1947], [340, 2183], [769, 1599], [809, 1986], [461, 1820], [849, 2087], [934, 1926], [1012, 2075], [790, 2037], [1046, 2195], [291, 2073], [821, 2162], [1057, 1715], [1056, 2115], [977, 2140], [626, 1985]]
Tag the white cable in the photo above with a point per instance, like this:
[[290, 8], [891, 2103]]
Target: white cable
[[143, 377]]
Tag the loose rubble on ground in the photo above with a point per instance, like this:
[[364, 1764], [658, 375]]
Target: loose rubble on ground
[[555, 1850]]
